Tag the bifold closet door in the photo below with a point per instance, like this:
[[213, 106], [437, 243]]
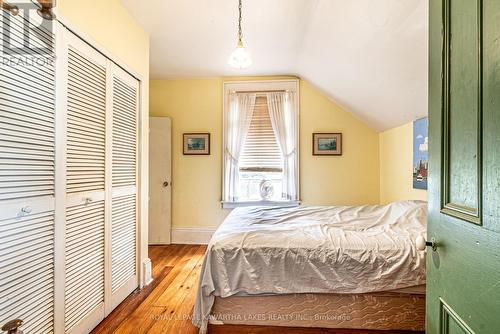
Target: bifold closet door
[[85, 185], [27, 188], [124, 96]]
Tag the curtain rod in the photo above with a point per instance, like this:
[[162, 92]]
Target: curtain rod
[[260, 91]]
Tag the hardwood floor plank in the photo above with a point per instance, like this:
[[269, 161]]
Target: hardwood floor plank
[[181, 304], [181, 282], [132, 302], [163, 258], [148, 314], [166, 305], [234, 329], [166, 256]]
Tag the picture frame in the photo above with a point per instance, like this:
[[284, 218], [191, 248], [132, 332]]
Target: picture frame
[[196, 143], [420, 153], [327, 144]]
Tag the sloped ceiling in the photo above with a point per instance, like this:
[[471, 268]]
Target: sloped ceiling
[[370, 56]]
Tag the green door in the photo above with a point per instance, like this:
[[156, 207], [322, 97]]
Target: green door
[[463, 274]]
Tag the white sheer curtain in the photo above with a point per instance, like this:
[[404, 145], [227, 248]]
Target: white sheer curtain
[[239, 117], [282, 111]]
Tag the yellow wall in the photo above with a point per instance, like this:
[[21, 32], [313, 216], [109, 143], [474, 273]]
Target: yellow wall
[[374, 167], [349, 179], [109, 26], [396, 160], [195, 105]]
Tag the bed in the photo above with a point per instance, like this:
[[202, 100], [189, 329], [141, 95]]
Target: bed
[[356, 266]]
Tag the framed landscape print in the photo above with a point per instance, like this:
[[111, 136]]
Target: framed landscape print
[[327, 144], [420, 153], [196, 144]]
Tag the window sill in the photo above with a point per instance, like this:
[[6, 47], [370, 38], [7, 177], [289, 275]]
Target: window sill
[[232, 205]]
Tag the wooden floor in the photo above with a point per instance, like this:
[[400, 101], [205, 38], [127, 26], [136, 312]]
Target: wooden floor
[[165, 306]]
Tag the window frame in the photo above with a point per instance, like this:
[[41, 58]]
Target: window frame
[[260, 86]]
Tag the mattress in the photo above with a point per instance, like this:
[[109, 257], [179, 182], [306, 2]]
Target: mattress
[[376, 311], [312, 249]]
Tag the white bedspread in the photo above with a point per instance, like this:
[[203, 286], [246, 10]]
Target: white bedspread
[[312, 249]]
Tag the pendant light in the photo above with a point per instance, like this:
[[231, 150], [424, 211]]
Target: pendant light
[[240, 58]]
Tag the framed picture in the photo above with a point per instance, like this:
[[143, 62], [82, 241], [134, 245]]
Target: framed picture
[[196, 144], [420, 153], [327, 144]]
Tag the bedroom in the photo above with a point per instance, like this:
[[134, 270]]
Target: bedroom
[[249, 167]]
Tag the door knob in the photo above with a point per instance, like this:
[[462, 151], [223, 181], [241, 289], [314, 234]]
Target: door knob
[[12, 326], [26, 209], [422, 243], [165, 184]]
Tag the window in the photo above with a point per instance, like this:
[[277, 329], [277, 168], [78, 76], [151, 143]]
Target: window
[[261, 158], [260, 143]]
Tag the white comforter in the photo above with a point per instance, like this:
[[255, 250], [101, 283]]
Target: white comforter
[[312, 249]]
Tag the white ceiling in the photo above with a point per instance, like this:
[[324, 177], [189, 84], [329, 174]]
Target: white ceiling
[[370, 56]]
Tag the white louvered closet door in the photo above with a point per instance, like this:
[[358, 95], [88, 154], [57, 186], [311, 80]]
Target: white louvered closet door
[[27, 172], [85, 157], [124, 100]]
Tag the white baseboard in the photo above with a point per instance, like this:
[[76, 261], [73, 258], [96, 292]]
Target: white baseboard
[[148, 272], [192, 235]]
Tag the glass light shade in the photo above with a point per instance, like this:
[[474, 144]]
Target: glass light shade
[[240, 58]]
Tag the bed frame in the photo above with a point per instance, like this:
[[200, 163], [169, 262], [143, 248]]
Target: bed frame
[[374, 311]]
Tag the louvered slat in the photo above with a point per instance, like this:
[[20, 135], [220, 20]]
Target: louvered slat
[[27, 158], [84, 289], [86, 124], [124, 134], [123, 240], [261, 150], [27, 109], [27, 264]]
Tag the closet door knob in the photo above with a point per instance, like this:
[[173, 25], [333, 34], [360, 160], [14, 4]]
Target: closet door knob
[[88, 200], [26, 209], [165, 184]]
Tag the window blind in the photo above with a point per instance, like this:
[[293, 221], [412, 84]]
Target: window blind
[[261, 152]]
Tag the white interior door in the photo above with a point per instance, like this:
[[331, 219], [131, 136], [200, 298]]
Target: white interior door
[[85, 202], [160, 180], [98, 216], [122, 192], [27, 189], [68, 185]]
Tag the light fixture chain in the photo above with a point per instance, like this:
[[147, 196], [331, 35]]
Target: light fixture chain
[[239, 58], [240, 32]]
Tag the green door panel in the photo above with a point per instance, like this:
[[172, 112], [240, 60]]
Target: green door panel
[[491, 116], [462, 103], [463, 275], [451, 323], [452, 327]]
